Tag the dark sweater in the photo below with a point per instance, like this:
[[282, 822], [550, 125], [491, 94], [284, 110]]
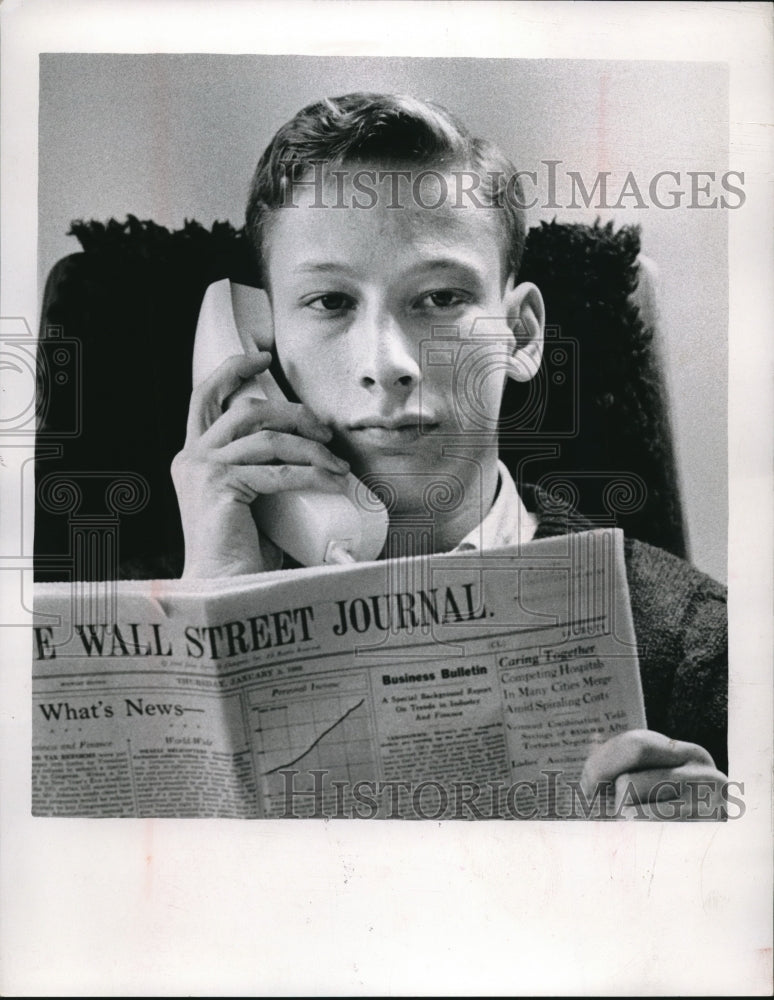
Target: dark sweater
[[681, 625]]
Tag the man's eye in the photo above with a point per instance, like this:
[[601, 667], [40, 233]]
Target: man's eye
[[444, 298], [332, 302]]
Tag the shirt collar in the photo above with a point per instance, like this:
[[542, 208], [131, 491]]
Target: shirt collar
[[507, 523]]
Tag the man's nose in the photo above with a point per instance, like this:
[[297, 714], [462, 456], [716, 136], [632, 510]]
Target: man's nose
[[387, 354]]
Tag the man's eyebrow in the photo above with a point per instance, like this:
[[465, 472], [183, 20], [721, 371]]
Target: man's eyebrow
[[322, 266], [429, 263], [446, 264]]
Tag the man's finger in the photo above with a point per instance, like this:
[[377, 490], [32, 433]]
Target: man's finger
[[207, 398], [269, 446], [249, 414], [256, 480], [693, 791], [639, 750], [666, 783]]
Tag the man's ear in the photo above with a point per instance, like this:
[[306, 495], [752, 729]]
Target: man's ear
[[526, 319]]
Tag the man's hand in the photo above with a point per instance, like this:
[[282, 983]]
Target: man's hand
[[234, 453], [657, 777]]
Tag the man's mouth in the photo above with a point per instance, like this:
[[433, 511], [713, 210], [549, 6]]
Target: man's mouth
[[381, 432]]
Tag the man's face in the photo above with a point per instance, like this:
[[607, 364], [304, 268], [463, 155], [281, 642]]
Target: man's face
[[356, 294]]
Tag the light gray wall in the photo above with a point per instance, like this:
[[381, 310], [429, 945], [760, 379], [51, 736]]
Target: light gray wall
[[170, 137]]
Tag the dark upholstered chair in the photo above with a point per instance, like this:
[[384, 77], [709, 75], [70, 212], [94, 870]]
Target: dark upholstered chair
[[593, 427]]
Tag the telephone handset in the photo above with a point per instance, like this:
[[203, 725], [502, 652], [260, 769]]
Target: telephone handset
[[313, 527]]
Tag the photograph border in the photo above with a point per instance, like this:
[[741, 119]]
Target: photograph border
[[191, 907]]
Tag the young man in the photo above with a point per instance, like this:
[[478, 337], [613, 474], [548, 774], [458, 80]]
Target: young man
[[375, 219]]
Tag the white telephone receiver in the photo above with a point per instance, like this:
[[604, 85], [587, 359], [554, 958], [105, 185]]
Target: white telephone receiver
[[313, 527]]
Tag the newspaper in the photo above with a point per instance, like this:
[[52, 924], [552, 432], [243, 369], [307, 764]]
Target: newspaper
[[458, 686]]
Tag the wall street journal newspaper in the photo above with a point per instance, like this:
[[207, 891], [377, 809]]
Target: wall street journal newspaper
[[458, 686]]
